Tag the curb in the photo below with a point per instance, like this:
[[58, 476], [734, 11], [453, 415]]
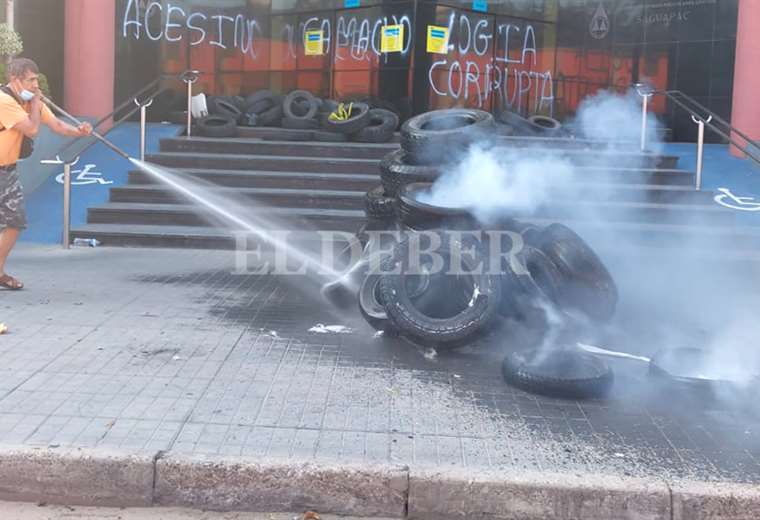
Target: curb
[[88, 477]]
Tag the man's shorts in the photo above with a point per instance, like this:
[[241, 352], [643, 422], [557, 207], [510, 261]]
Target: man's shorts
[[12, 211]]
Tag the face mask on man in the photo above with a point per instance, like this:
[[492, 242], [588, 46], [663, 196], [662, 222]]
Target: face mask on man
[[26, 95]]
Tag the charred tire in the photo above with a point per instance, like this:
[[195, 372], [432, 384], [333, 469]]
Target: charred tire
[[248, 119], [293, 97], [223, 107], [216, 126], [564, 373], [299, 123], [271, 117], [371, 307], [531, 285], [261, 95], [518, 124], [395, 172], [329, 137], [379, 129], [543, 125], [419, 215], [437, 136], [260, 106], [358, 120], [378, 205], [473, 320], [588, 286]]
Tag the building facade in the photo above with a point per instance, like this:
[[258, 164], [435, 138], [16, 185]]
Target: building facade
[[531, 56]]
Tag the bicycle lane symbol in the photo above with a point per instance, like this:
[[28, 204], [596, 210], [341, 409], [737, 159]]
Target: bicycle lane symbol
[[729, 200], [84, 176]]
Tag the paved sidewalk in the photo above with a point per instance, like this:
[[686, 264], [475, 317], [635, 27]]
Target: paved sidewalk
[[161, 353]]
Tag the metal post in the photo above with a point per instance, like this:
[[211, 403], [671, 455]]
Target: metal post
[[66, 196], [645, 92], [143, 124], [700, 148], [189, 77]]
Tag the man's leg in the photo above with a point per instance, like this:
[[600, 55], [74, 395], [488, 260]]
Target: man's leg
[[8, 239]]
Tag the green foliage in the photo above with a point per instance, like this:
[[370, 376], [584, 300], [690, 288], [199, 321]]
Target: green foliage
[[10, 41]]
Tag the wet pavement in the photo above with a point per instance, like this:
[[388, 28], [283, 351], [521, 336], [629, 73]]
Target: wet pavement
[[150, 351]]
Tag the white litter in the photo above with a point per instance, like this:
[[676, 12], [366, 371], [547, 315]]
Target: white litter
[[378, 334], [176, 358], [430, 353], [270, 333], [330, 329], [198, 106]]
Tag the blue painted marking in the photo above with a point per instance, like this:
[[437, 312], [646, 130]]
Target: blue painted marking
[[480, 5], [44, 206], [314, 37], [721, 170], [391, 32], [348, 4], [437, 33]]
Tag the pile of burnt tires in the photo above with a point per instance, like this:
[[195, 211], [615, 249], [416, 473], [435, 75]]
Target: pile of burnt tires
[[316, 119], [535, 274]]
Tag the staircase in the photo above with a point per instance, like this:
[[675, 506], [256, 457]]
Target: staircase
[[313, 185]]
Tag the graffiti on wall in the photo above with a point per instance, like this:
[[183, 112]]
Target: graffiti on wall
[[500, 64]]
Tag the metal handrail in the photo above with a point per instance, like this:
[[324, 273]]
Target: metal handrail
[[131, 100], [702, 117], [709, 115]]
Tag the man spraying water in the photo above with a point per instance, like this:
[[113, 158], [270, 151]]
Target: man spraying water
[[21, 113]]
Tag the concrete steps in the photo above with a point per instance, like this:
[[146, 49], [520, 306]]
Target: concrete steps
[[192, 215], [321, 186]]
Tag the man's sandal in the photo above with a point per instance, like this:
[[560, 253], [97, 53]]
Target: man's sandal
[[10, 283]]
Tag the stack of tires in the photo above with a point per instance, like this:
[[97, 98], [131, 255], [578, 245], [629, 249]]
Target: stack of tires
[[551, 268], [299, 110]]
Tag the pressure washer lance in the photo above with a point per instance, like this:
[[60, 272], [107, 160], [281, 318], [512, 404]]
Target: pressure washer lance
[[94, 133]]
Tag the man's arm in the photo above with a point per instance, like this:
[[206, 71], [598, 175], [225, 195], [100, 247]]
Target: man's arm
[[63, 128], [30, 126]]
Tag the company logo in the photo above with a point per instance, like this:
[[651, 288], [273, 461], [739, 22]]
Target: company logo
[[600, 24]]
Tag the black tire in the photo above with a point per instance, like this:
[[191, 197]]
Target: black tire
[[261, 95], [329, 137], [382, 124], [518, 124], [534, 281], [358, 120], [371, 308], [418, 215], [543, 125], [328, 106], [588, 286], [469, 322], [563, 373], [223, 107], [216, 126], [271, 117], [290, 99], [395, 172], [439, 136], [248, 119], [378, 205], [239, 102], [299, 123], [260, 106]]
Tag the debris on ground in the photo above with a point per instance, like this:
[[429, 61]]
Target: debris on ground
[[330, 329], [3, 328]]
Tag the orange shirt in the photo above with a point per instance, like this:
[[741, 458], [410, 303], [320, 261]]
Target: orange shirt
[[11, 114]]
